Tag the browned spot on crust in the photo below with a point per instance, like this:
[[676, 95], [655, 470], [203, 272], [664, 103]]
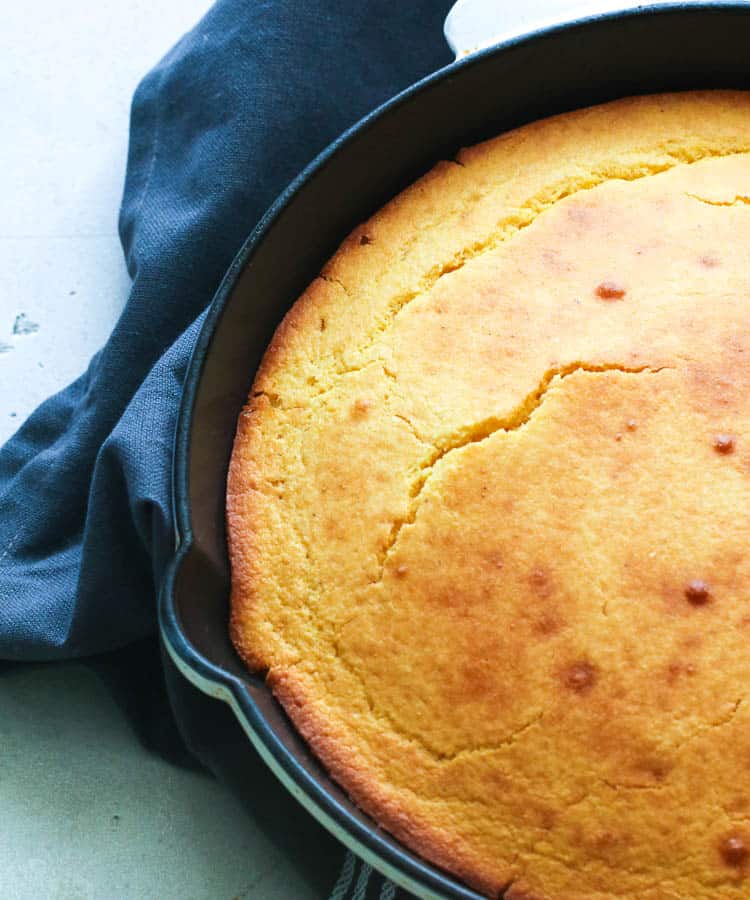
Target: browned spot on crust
[[364, 240], [360, 408], [692, 641], [631, 424], [579, 676], [697, 592], [402, 571], [610, 290], [539, 582], [738, 804], [734, 850], [710, 261], [724, 443], [333, 528], [495, 561], [547, 624], [605, 840], [676, 669], [547, 817], [477, 682], [727, 391], [654, 767]]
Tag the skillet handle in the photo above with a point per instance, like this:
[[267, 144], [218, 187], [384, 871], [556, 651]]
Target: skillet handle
[[472, 25]]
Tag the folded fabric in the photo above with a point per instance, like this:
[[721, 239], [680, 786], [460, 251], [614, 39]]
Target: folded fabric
[[219, 127]]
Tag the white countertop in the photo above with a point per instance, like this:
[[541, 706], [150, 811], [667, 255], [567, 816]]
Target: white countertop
[[67, 75], [88, 813]]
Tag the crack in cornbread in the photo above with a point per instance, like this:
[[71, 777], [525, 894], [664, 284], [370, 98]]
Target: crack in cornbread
[[480, 431], [489, 508], [635, 169], [733, 202], [527, 214]]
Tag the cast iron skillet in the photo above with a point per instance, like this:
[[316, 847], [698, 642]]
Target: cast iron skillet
[[653, 48]]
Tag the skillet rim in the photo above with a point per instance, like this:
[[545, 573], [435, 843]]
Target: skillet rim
[[393, 859]]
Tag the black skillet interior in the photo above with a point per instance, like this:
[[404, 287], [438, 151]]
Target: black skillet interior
[[651, 49]]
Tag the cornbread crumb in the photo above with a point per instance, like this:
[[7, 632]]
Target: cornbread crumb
[[489, 508]]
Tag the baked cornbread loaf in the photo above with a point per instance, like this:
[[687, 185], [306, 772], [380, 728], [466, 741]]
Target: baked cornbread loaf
[[489, 508]]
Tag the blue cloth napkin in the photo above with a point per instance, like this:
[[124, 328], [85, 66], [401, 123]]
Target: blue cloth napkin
[[219, 127]]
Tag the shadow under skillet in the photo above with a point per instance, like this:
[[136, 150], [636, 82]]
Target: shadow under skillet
[[176, 722], [214, 736]]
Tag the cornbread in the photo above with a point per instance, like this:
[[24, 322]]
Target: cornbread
[[489, 508]]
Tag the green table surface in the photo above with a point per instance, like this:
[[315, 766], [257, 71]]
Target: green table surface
[[87, 813]]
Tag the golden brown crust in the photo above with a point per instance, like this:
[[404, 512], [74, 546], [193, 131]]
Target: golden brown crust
[[489, 501], [330, 746]]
